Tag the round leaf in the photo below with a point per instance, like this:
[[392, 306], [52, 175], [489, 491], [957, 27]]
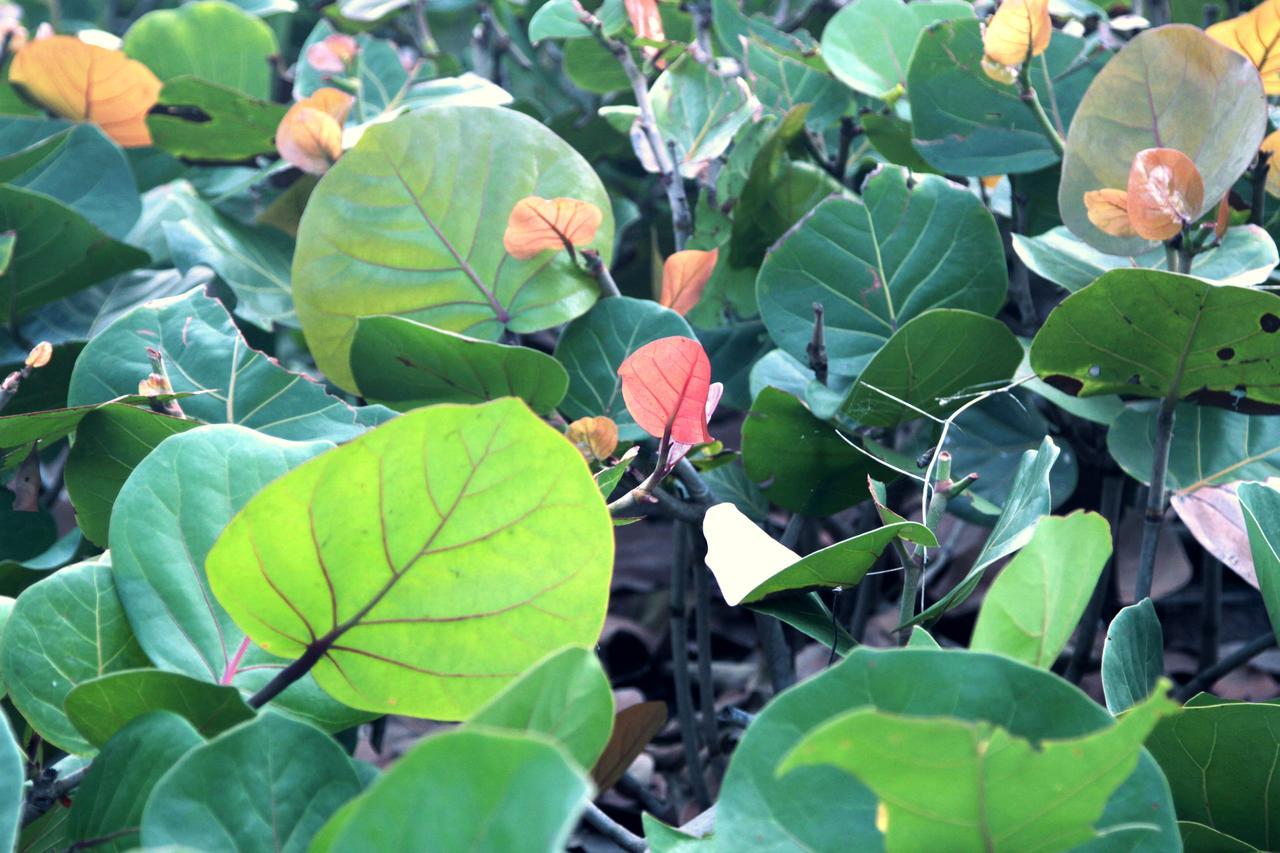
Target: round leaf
[[102, 707]]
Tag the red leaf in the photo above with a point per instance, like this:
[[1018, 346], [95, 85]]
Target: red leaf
[[665, 386]]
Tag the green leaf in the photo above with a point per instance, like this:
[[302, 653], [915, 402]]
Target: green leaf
[[1170, 87], [1029, 499], [102, 707], [1132, 656], [178, 42], [593, 346], [965, 785], [386, 233], [560, 19], [775, 198], [278, 781], [1217, 758], [808, 614], [1198, 838], [384, 555], [204, 351], [84, 314], [877, 262], [110, 442], [1150, 333], [109, 802], [823, 808], [785, 80], [16, 575], [730, 483], [1033, 606], [12, 790], [502, 791], [19, 432], [75, 164], [933, 363], [968, 124], [890, 135], [1261, 507], [199, 120], [868, 43], [699, 112], [1246, 256], [407, 364], [168, 515], [64, 630], [58, 252], [565, 696], [801, 463]]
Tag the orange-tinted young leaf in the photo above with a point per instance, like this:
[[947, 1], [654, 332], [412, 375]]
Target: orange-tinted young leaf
[[1271, 146], [310, 134], [665, 385], [596, 438], [1019, 30], [645, 19], [538, 224], [1109, 210], [1256, 34], [1165, 192], [333, 54], [89, 83], [684, 276]]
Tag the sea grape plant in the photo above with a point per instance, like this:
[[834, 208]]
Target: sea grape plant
[[364, 358]]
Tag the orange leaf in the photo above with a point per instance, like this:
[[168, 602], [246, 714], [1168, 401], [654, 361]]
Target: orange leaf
[[1271, 145], [1019, 30], [1109, 210], [1256, 34], [310, 134], [645, 19], [665, 385], [1165, 192], [596, 438], [538, 224], [333, 53], [89, 83], [684, 276]]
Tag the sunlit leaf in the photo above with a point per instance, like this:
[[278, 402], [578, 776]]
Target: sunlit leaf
[[1256, 34], [1019, 30], [684, 276], [538, 224], [665, 384]]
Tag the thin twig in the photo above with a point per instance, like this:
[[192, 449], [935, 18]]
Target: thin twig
[[702, 635], [689, 736], [1258, 182], [599, 270], [1032, 100], [612, 830], [48, 790], [817, 347], [1153, 520], [1210, 609], [1205, 679]]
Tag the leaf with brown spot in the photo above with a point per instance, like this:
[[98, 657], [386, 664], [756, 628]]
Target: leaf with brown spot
[[1019, 30], [85, 82], [1165, 193], [684, 276], [539, 224]]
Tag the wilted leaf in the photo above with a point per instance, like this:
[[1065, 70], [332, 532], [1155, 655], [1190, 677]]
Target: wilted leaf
[[310, 134], [684, 276], [89, 83], [665, 384], [1256, 34], [1165, 193], [596, 437], [1019, 30], [1213, 516], [540, 224]]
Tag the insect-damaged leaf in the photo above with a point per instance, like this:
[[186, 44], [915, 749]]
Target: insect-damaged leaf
[[665, 384]]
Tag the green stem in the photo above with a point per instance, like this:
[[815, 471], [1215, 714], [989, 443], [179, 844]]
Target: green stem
[[1153, 520], [680, 564], [1032, 100]]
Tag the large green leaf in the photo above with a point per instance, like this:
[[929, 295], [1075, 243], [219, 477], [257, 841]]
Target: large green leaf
[[12, 790], [204, 351], [502, 791], [801, 462], [785, 80], [1171, 87], [169, 513], [397, 227], [407, 364], [1261, 507], [58, 252], [18, 433], [109, 802], [930, 366], [1198, 838], [101, 707], [1246, 256], [430, 561], [699, 111], [66, 629], [965, 123], [75, 164], [1219, 759], [877, 262], [1132, 656], [969, 785], [1035, 603], [868, 43], [1150, 333], [826, 809], [593, 347], [565, 696], [178, 42], [276, 780], [200, 120]]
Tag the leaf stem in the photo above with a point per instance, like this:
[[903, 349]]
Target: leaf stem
[[1258, 182], [1208, 677], [1032, 100], [310, 657], [702, 635], [1153, 520], [612, 830], [598, 270], [1210, 609], [681, 563]]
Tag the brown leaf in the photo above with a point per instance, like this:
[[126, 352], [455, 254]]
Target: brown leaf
[[1214, 517], [310, 134], [684, 276], [1019, 30], [85, 82], [633, 728], [538, 224], [1165, 191], [1109, 210], [1256, 34], [596, 438]]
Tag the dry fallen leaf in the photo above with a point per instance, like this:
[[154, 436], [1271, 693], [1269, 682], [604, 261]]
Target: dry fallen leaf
[[684, 276], [538, 224], [596, 438], [1109, 210], [1256, 34], [1019, 30], [1165, 193], [310, 134], [85, 82]]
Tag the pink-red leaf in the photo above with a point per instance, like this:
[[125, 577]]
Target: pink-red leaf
[[665, 385]]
